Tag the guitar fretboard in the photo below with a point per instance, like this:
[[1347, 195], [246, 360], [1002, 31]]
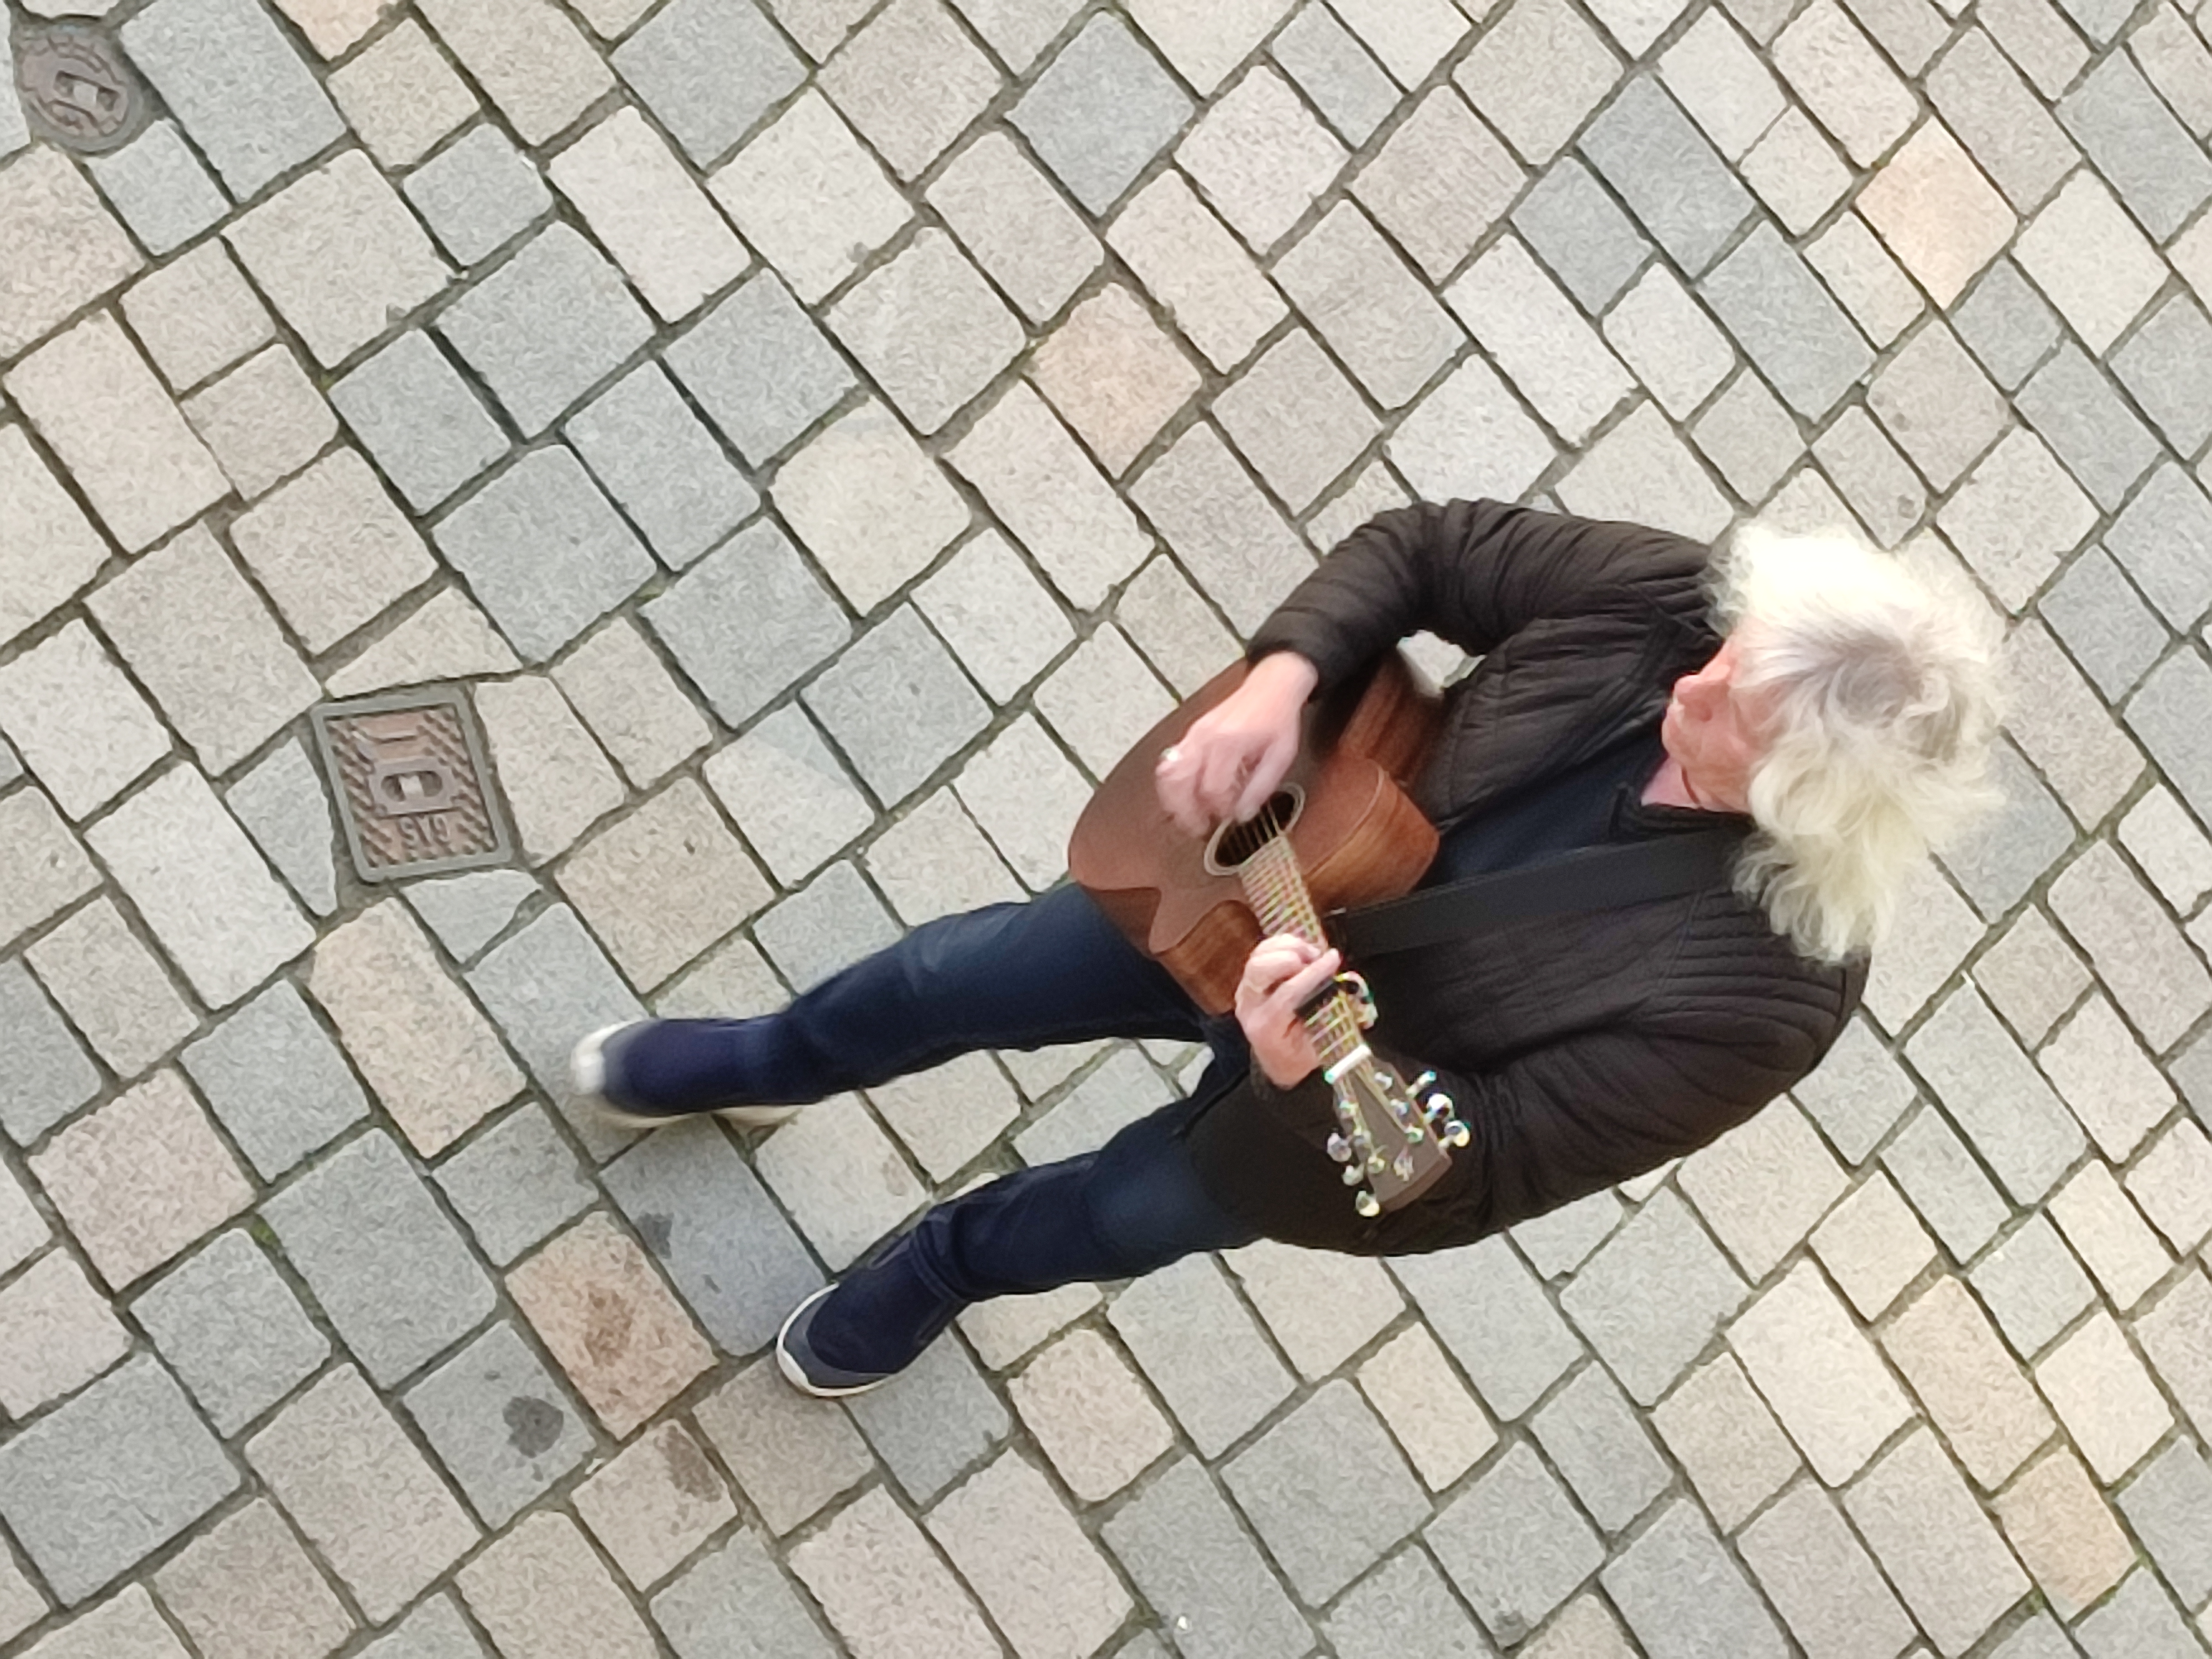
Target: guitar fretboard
[[1276, 889]]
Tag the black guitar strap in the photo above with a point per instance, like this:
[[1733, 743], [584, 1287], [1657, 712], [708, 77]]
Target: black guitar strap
[[1592, 878]]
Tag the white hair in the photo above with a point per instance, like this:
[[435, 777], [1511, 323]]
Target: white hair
[[1877, 698]]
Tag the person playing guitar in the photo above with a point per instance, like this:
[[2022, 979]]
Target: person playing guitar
[[1803, 704]]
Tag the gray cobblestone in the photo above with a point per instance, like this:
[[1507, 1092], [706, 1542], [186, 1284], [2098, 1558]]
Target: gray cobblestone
[[1941, 1177], [1201, 1576], [1670, 177], [286, 813], [477, 193], [545, 551], [1577, 228], [1937, 404], [2169, 1505], [661, 466], [237, 86], [514, 1184], [1591, 1435], [1820, 1578], [428, 432], [534, 63], [2165, 364], [2033, 1286], [894, 745], [2075, 408], [231, 1330], [1650, 1299], [545, 327], [1943, 1555], [2103, 622], [1997, 861], [1684, 1597], [1487, 1309], [1748, 434], [928, 329], [1992, 109], [92, 1488], [468, 912], [1796, 334], [160, 187], [432, 1630], [1987, 1085], [709, 1222], [1514, 1544], [747, 621], [500, 1425], [2159, 170], [760, 368], [936, 1419], [791, 1455], [276, 1080], [390, 1271], [2164, 538], [1201, 1350], [48, 1075], [544, 986], [735, 1602], [708, 70], [1325, 1529], [2135, 948], [1329, 63], [1100, 112]]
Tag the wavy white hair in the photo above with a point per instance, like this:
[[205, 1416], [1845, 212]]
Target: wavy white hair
[[1877, 697]]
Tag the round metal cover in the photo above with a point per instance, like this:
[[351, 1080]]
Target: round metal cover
[[76, 87]]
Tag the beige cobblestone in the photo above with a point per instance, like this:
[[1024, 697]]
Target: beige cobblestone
[[2065, 1532], [63, 250], [1940, 1551], [262, 421], [112, 988], [790, 1454], [1434, 1415], [2107, 1078], [48, 549], [42, 867], [1941, 218], [631, 703], [1972, 1387], [445, 637], [141, 1178], [2171, 1183], [93, 397], [195, 315], [1114, 376], [556, 781], [1194, 268], [624, 1341], [125, 1626], [1723, 1434], [1094, 1419], [1045, 1582], [662, 884], [841, 1178], [544, 1595], [333, 549], [2104, 1396], [644, 209], [886, 1591], [435, 1062], [56, 1334], [1873, 1246], [655, 1504], [1820, 1373], [2109, 1235], [1322, 1307], [245, 1589], [74, 719], [401, 96]]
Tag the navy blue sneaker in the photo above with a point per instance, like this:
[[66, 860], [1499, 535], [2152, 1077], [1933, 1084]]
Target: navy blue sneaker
[[805, 1370], [604, 1068]]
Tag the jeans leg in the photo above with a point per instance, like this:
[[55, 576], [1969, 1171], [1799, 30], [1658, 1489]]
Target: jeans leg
[[1132, 1206], [1053, 969]]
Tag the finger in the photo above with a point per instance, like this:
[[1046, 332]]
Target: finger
[[1291, 992], [1266, 774], [1272, 960]]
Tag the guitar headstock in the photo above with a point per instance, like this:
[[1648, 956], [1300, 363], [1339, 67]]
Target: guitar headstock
[[1393, 1142]]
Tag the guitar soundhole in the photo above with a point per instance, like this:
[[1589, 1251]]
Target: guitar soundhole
[[1235, 845]]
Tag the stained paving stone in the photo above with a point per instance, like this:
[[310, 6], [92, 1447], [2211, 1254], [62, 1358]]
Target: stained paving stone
[[477, 193], [1200, 1572], [95, 1486], [232, 1329], [655, 1504], [735, 1601], [628, 1364], [500, 1425], [234, 82], [385, 1263], [246, 1588], [1514, 1545]]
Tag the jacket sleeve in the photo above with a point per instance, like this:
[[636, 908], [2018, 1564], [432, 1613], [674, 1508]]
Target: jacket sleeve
[[1475, 572]]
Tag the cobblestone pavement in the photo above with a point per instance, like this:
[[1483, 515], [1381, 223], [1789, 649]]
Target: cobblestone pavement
[[819, 433]]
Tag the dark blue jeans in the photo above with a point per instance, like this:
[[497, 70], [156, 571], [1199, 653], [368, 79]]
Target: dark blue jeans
[[1007, 976]]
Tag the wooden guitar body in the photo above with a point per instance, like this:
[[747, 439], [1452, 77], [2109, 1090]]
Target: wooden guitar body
[[1357, 836]]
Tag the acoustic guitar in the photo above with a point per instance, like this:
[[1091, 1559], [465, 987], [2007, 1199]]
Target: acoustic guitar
[[1339, 831]]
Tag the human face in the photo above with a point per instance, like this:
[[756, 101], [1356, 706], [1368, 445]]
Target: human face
[[1713, 733]]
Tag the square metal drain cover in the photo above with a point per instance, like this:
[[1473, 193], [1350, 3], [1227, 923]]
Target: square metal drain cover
[[412, 785]]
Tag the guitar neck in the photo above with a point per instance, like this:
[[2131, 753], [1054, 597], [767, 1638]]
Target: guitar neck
[[1276, 889]]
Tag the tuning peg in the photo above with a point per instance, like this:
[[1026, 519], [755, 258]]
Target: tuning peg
[[1455, 1134], [1377, 1164], [1402, 1167], [1423, 1082], [1367, 1204], [1339, 1149], [1354, 1173]]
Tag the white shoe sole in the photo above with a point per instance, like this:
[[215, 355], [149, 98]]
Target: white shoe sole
[[587, 1074], [789, 1367]]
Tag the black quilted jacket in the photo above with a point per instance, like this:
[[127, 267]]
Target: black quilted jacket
[[1582, 1049]]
